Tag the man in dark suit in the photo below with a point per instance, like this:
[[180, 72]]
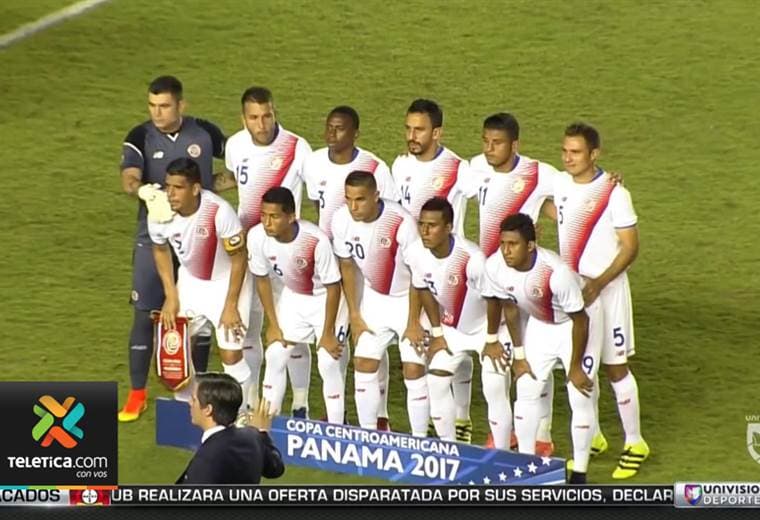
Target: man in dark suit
[[229, 454]]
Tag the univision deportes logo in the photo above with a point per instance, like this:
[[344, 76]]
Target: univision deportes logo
[[46, 430]]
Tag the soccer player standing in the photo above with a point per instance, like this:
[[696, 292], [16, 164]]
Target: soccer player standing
[[299, 254], [598, 238], [261, 156], [212, 287], [146, 152], [376, 237]]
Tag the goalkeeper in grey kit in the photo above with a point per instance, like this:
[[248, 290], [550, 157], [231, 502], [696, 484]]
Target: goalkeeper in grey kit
[[146, 152]]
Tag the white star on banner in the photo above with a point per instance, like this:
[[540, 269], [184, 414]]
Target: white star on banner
[[545, 461], [502, 477], [518, 472], [532, 468], [471, 483], [486, 480]]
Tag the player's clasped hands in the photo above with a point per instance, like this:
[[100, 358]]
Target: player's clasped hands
[[231, 323], [498, 356], [331, 344], [580, 380]]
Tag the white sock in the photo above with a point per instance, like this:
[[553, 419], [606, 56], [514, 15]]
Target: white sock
[[581, 424], [595, 428], [462, 388], [627, 396], [442, 406], [527, 413], [417, 405], [254, 356], [299, 370], [384, 381], [545, 424], [496, 392], [275, 375], [367, 398], [333, 387], [241, 373]]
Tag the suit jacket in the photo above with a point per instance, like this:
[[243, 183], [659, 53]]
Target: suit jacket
[[234, 456]]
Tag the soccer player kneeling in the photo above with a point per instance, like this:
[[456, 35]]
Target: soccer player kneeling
[[212, 287], [537, 282], [300, 255]]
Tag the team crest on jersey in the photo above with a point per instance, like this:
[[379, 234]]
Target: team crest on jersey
[[518, 186], [408, 179], [453, 279], [438, 182], [172, 342], [194, 150], [275, 163], [272, 258], [301, 263], [589, 205], [201, 231], [537, 292], [447, 318], [323, 183], [385, 242], [158, 154]]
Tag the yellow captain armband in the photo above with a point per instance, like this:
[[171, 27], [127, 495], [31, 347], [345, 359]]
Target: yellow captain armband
[[234, 244]]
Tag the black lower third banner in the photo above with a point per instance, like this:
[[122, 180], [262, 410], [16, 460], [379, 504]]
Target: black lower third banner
[[345, 495]]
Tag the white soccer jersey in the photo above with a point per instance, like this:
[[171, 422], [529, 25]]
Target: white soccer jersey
[[258, 168], [522, 190], [305, 265], [325, 181], [588, 216], [456, 282], [380, 248], [419, 181], [197, 239], [547, 292]]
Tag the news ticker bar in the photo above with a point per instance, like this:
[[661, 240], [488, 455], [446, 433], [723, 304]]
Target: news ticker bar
[[343, 496]]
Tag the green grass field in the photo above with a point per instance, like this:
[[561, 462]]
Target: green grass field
[[672, 86]]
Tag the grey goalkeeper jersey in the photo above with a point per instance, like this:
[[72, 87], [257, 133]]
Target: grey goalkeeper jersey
[[151, 150]]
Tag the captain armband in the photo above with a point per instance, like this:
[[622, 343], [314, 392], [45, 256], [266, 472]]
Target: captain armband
[[234, 244]]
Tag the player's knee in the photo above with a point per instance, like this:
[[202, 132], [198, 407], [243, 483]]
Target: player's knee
[[277, 356], [142, 329], [230, 357], [367, 365], [327, 365], [528, 389], [413, 370], [616, 372]]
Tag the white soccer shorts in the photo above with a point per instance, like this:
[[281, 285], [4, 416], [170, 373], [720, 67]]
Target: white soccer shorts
[[302, 317], [618, 338]]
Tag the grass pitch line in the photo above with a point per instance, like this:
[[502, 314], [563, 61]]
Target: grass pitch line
[[31, 28]]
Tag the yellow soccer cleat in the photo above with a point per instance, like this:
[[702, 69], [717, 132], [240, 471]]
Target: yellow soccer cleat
[[631, 459], [598, 444], [464, 430], [137, 403]]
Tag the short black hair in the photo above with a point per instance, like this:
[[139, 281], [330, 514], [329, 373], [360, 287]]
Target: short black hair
[[362, 178], [442, 205], [349, 112], [185, 167], [588, 132], [222, 392], [431, 108], [256, 94], [282, 196], [166, 84], [521, 223], [505, 122]]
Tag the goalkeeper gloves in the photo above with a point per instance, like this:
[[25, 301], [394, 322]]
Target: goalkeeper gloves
[[159, 209]]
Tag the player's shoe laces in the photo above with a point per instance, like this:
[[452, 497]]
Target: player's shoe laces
[[137, 403], [631, 459], [301, 413], [383, 424], [598, 444], [463, 430]]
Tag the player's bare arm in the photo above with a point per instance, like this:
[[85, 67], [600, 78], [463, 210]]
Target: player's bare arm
[[629, 249], [433, 311], [224, 181], [414, 331], [329, 341], [520, 365], [348, 275], [230, 320], [493, 349], [264, 290], [165, 267], [131, 180], [577, 376], [549, 210]]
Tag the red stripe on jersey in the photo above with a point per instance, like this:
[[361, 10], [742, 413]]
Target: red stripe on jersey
[[579, 230], [443, 177], [541, 293], [385, 246], [204, 243], [304, 263], [271, 175], [511, 202], [455, 289], [366, 163]]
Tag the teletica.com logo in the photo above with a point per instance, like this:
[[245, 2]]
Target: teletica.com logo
[[46, 430]]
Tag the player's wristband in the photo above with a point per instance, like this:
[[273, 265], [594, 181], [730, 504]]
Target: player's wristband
[[519, 353], [492, 338], [436, 332]]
